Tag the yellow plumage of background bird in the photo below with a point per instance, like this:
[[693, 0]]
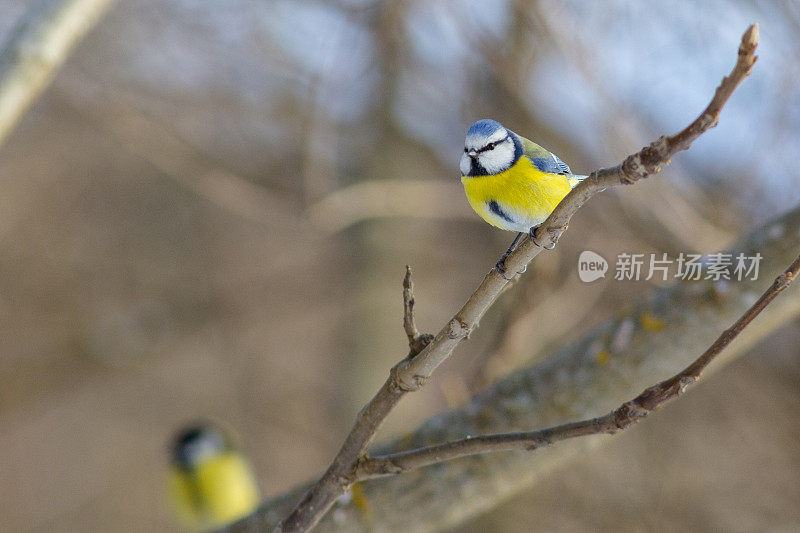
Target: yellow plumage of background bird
[[510, 181], [211, 483]]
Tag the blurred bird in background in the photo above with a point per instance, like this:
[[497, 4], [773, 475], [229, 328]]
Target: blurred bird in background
[[211, 483], [510, 181]]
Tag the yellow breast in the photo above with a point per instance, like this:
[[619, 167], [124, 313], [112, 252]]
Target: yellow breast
[[215, 492], [518, 198]]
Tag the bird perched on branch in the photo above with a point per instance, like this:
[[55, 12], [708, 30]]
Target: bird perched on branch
[[511, 182], [211, 483]]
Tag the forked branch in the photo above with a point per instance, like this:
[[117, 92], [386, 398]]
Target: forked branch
[[620, 418]]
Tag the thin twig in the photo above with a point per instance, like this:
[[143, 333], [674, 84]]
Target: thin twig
[[416, 341], [621, 418], [412, 373], [38, 45], [408, 307]]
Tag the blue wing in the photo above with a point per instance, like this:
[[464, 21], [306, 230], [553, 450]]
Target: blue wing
[[552, 165]]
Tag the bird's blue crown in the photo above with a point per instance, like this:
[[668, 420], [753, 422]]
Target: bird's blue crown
[[484, 127]]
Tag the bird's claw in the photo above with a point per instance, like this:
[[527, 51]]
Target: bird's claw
[[501, 264], [532, 233], [501, 269]]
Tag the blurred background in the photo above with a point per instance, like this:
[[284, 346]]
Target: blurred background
[[208, 215]]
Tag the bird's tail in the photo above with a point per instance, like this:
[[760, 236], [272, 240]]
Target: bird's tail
[[575, 179]]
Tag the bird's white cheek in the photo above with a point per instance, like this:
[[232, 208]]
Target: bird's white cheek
[[497, 160], [465, 164]]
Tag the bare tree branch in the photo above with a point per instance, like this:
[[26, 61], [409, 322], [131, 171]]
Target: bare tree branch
[[620, 418], [36, 48], [411, 374]]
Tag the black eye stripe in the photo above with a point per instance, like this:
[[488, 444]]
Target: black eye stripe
[[491, 145]]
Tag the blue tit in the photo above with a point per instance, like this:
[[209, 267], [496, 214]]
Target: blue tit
[[211, 483], [510, 181]]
